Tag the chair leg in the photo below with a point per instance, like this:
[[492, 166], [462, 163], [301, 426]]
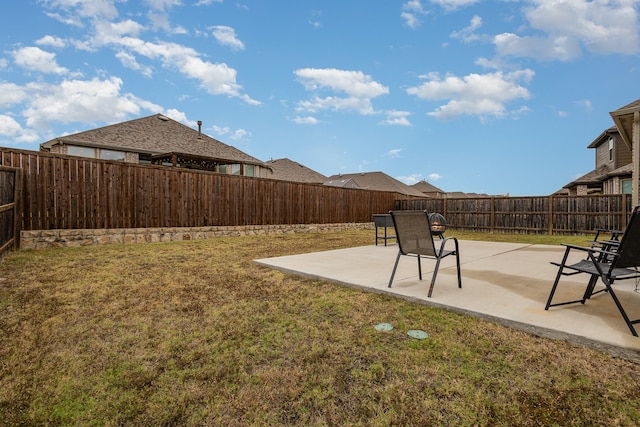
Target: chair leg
[[620, 308], [555, 285], [433, 279], [458, 265], [393, 273], [593, 281]]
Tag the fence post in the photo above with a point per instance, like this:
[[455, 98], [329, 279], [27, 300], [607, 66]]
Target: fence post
[[17, 212], [493, 215], [550, 219]]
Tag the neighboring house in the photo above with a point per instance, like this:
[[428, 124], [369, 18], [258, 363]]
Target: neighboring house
[[429, 190], [372, 181], [158, 139], [612, 174], [288, 170]]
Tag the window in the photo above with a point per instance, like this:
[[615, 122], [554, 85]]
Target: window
[[222, 168], [234, 169], [112, 155], [249, 170], [610, 148], [75, 150], [626, 186]]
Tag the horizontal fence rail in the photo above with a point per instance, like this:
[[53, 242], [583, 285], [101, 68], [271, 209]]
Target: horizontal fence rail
[[65, 192]]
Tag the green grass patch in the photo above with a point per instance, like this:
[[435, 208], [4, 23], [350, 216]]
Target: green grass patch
[[195, 333]]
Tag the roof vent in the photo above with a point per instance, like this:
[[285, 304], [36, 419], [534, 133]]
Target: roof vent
[[163, 118], [199, 129]]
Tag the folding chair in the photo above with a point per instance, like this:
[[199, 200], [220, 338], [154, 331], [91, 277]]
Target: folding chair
[[414, 237], [607, 263]]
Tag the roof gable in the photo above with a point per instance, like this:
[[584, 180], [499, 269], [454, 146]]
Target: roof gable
[[425, 187], [288, 170], [378, 181]]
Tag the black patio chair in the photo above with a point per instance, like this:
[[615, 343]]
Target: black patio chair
[[414, 237], [607, 263]]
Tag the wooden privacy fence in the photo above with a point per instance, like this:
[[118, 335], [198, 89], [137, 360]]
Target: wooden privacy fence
[[64, 192], [10, 187], [536, 215]]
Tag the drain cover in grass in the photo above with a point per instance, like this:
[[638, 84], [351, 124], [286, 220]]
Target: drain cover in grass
[[383, 327], [419, 335]]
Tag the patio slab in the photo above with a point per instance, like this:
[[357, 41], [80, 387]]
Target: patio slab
[[508, 283]]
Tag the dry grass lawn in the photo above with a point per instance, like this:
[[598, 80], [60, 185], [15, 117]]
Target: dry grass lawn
[[194, 333]]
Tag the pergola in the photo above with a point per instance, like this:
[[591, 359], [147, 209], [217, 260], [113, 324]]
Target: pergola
[[627, 120]]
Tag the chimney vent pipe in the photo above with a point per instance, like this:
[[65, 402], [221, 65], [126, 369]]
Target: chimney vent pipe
[[199, 129]]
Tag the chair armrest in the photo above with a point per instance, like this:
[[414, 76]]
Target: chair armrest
[[589, 249]]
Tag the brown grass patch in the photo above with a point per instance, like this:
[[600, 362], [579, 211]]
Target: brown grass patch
[[194, 333]]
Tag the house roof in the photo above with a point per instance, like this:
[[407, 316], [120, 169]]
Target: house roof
[[153, 135], [374, 181], [623, 118], [601, 174], [603, 137], [424, 187], [288, 170]]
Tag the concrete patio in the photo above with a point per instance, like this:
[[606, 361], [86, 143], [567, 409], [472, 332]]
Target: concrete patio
[[507, 283]]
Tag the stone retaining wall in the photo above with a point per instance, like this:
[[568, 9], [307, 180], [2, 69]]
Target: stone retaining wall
[[40, 239]]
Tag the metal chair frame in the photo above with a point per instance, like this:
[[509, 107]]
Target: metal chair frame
[[610, 261], [415, 238]]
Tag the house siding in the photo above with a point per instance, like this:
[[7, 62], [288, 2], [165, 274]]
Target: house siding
[[623, 154]]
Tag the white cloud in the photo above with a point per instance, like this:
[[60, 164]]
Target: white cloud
[[235, 135], [358, 87], [51, 41], [411, 179], [240, 135], [434, 176], [475, 94], [129, 61], [568, 26], [11, 129], [8, 126], [411, 13], [226, 36], [74, 9], [207, 2], [395, 153], [541, 48], [215, 78], [307, 120], [86, 101], [397, 118], [586, 104], [467, 34], [12, 94], [454, 4], [36, 59]]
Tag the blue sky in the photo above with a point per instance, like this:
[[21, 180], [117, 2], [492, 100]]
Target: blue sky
[[488, 97]]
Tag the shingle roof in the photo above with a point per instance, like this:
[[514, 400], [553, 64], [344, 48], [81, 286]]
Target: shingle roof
[[156, 134], [601, 174], [288, 170], [376, 181], [425, 187]]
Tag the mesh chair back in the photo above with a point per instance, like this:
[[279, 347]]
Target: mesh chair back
[[629, 249], [413, 232]]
